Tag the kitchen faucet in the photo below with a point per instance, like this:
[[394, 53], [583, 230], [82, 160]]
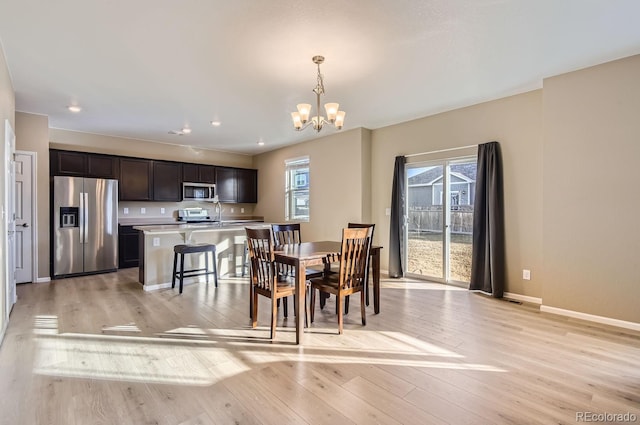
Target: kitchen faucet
[[218, 205]]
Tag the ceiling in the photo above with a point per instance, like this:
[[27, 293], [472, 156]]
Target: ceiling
[[140, 69]]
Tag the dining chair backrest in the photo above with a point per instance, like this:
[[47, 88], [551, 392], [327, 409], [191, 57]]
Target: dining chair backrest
[[261, 256], [288, 233], [372, 227], [354, 254]]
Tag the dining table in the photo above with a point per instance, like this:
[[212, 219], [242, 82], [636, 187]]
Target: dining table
[[309, 254]]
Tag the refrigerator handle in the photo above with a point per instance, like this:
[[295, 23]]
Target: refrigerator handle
[[86, 215], [81, 218]]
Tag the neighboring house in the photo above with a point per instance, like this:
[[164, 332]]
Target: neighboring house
[[426, 188]]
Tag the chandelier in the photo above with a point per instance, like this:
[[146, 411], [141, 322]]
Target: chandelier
[[335, 117]]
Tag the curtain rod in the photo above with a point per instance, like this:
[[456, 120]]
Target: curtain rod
[[441, 150]]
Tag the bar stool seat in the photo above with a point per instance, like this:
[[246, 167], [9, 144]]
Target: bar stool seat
[[193, 249]]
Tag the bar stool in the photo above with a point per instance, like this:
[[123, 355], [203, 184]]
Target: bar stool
[[193, 249]]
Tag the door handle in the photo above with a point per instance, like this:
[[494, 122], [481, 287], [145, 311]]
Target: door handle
[[25, 225]]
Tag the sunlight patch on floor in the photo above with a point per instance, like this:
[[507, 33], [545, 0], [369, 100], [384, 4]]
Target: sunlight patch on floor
[[194, 356]]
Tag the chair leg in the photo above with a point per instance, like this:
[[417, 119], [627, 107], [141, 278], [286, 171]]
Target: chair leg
[[254, 307], [366, 288], [307, 297], [340, 316], [285, 306], [313, 302], [274, 317], [215, 268], [181, 271], [323, 299], [173, 277], [346, 304], [206, 267], [362, 309]]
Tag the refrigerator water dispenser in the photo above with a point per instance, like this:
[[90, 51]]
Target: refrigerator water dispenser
[[68, 217]]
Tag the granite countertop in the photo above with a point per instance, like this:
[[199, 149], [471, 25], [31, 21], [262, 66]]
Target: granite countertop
[[168, 221], [196, 227]]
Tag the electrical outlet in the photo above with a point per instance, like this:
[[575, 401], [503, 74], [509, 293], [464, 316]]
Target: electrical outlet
[[232, 209], [125, 211], [526, 274], [161, 210], [387, 211], [156, 241], [143, 210], [242, 210], [230, 257]]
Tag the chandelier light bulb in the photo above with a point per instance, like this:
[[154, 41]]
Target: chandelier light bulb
[[332, 110], [340, 119]]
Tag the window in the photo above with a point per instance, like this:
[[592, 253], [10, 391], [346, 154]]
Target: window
[[297, 189]]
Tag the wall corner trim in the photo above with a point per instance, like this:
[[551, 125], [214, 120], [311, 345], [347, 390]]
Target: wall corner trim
[[523, 298], [591, 317]]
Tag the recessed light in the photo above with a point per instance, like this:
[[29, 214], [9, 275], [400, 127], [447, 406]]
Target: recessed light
[[186, 130], [74, 108], [216, 123], [260, 142]]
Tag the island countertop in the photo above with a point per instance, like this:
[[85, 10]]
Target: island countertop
[[196, 227]]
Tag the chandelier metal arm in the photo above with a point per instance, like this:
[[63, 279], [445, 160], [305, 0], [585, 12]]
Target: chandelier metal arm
[[334, 116]]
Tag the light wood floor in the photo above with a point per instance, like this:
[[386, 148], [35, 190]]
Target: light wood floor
[[99, 350]]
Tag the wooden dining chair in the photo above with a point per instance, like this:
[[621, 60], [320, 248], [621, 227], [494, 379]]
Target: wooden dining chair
[[350, 279], [366, 281], [265, 279], [284, 234]]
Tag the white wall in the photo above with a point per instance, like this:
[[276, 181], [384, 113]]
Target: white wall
[[7, 112]]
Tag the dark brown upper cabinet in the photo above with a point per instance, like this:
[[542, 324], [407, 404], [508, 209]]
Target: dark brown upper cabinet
[[136, 177], [226, 184], [167, 181], [198, 173], [103, 166], [247, 186], [64, 163], [237, 185], [83, 164]]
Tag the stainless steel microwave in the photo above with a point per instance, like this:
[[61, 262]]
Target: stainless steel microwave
[[198, 191]]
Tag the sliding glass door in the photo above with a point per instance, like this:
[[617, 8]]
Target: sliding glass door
[[439, 227]]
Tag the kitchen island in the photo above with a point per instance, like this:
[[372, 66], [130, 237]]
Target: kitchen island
[[157, 242]]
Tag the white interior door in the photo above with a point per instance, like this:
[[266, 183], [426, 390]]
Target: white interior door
[[24, 217], [10, 222]]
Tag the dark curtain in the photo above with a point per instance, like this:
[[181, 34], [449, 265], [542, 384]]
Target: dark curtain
[[488, 258], [396, 231]]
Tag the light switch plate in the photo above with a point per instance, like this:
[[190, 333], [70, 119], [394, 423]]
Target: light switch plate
[[161, 210], [526, 274], [387, 211], [156, 241], [241, 210], [143, 210], [125, 211]]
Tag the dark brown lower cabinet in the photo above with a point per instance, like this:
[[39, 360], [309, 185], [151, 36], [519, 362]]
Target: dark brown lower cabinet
[[128, 247]]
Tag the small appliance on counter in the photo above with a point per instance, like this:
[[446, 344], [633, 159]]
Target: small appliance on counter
[[194, 215]]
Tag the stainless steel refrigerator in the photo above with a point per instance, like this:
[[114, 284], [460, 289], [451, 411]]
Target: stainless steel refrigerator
[[85, 225]]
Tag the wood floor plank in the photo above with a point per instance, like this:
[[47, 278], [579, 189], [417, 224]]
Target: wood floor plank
[[100, 350]]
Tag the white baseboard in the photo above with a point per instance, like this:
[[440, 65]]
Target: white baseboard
[[591, 317], [3, 331], [43, 280], [157, 286], [523, 298]]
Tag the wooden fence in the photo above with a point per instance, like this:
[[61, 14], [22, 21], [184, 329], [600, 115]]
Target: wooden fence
[[430, 220]]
